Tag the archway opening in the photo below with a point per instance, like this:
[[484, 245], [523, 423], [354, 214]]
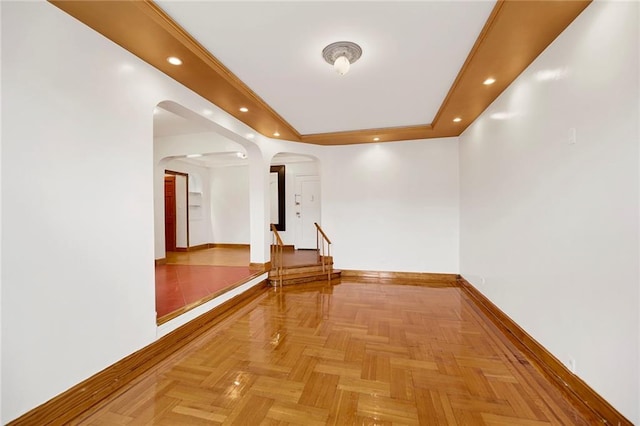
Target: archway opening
[[302, 198], [210, 249]]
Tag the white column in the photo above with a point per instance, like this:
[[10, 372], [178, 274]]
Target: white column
[[259, 208]]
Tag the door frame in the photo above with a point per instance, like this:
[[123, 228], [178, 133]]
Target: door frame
[[186, 176], [280, 171]]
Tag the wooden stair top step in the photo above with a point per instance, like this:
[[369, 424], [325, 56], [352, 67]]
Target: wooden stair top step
[[309, 269], [304, 277]]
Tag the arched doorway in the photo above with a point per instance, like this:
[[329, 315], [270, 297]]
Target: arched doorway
[[212, 253], [302, 198]]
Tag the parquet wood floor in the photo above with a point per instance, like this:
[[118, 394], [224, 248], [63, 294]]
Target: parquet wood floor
[[355, 353]]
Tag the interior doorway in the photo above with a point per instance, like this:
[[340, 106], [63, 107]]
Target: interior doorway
[[176, 212], [170, 213]]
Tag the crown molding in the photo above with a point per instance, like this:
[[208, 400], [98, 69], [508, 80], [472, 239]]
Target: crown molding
[[515, 33]]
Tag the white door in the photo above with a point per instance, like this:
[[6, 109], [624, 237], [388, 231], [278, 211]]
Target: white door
[[307, 211]]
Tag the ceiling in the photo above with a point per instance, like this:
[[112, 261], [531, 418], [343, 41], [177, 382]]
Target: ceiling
[[410, 56], [167, 123], [423, 62]]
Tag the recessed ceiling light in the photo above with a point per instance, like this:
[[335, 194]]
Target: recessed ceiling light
[[457, 120], [376, 139], [489, 81], [244, 109], [174, 61], [193, 155], [250, 136], [276, 134]]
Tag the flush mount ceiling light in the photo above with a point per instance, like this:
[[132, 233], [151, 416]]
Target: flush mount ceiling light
[[174, 60], [341, 55]]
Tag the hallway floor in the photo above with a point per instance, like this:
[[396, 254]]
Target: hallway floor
[[180, 287], [352, 353], [192, 278]]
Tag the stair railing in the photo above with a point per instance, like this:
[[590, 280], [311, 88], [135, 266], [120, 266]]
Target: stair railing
[[323, 241], [277, 247]]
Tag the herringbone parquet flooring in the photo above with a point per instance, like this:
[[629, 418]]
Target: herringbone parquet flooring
[[354, 353]]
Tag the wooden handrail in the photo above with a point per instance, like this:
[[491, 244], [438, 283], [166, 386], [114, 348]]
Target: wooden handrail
[[327, 263], [277, 247], [277, 235], [322, 232]]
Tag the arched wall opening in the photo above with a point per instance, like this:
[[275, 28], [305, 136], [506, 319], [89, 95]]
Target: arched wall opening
[[212, 184], [303, 201]]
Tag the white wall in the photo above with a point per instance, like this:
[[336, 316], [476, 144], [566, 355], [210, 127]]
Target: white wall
[[77, 182], [230, 204], [1, 222], [549, 229], [392, 206], [78, 188]]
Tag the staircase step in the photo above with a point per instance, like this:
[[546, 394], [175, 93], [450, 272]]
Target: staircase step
[[304, 277], [298, 269]]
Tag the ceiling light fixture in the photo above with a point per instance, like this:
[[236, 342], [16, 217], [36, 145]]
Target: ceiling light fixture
[[457, 120], [489, 81], [244, 109], [241, 155], [341, 55], [276, 134], [376, 139], [174, 61]]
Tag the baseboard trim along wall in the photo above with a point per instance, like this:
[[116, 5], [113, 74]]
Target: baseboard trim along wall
[[425, 277], [73, 402], [201, 247], [571, 385], [262, 267], [228, 245], [162, 261]]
